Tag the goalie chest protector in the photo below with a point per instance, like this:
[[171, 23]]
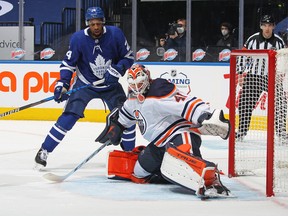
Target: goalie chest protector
[[121, 164]]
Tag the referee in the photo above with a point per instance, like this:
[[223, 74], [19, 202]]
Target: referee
[[256, 79]]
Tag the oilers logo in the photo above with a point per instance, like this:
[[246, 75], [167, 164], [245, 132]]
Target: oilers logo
[[140, 121]]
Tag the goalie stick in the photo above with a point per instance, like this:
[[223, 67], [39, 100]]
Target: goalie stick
[[47, 99], [58, 178]]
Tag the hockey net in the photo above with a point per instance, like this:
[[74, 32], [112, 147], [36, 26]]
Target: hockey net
[[262, 150]]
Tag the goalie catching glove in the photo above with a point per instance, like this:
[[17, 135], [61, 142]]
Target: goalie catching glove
[[214, 124], [113, 130]]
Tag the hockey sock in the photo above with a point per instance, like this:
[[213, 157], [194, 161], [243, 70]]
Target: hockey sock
[[128, 138], [56, 134]]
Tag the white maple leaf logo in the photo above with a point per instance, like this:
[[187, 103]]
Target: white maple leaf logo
[[100, 66]]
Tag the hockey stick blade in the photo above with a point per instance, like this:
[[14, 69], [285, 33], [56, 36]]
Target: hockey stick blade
[[59, 178], [47, 99]]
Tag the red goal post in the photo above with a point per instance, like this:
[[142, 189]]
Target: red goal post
[[260, 149]]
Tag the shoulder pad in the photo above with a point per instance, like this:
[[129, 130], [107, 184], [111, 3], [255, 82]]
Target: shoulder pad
[[160, 87]]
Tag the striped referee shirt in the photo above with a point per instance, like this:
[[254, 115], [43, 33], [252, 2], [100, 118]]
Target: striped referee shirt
[[256, 65]]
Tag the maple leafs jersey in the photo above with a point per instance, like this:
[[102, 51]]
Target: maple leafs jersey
[[90, 57], [165, 112]]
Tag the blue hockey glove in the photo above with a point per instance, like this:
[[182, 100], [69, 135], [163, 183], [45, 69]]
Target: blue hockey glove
[[112, 75], [60, 91]]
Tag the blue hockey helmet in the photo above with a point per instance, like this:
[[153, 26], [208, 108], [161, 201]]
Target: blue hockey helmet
[[94, 13]]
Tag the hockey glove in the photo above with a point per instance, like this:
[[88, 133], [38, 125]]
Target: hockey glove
[[113, 130], [60, 90], [138, 149], [112, 75]]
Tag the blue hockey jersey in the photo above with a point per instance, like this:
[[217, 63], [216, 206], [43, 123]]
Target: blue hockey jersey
[[91, 57]]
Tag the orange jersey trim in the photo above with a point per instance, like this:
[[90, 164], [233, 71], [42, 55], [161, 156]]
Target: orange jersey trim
[[191, 107], [170, 131]]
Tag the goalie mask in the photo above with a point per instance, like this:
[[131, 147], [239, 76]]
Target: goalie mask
[[138, 78]]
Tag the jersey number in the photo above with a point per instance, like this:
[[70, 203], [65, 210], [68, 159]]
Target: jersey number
[[69, 54]]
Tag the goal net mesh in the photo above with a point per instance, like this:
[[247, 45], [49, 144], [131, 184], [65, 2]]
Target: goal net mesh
[[252, 109]]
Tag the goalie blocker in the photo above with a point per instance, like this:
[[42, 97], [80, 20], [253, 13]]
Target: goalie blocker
[[113, 129]]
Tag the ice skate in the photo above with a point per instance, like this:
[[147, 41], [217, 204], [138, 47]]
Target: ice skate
[[41, 159], [215, 190]]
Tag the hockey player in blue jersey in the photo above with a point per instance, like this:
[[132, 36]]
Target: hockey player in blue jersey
[[98, 52]]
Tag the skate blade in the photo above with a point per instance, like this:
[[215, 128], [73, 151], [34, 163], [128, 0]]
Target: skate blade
[[212, 193], [38, 167]]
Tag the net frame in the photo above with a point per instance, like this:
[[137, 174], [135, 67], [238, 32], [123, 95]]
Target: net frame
[[271, 56]]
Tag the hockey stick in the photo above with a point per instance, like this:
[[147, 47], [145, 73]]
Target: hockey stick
[[47, 99], [57, 178]]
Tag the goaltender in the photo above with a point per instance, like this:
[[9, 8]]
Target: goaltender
[[173, 123]]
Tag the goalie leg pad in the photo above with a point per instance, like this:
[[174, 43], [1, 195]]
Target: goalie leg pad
[[214, 124], [184, 169], [121, 164]]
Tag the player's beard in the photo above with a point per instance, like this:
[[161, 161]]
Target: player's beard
[[97, 33]]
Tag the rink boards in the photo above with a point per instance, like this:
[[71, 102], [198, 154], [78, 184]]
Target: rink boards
[[26, 82]]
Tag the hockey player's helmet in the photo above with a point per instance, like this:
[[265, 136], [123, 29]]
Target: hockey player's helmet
[[267, 19], [138, 77], [94, 13]]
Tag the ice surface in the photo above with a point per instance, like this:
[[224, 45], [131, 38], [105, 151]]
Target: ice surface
[[23, 191]]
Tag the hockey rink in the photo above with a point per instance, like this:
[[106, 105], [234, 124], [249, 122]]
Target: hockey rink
[[23, 190]]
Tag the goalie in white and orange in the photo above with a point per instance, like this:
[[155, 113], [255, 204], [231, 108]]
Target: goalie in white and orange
[[173, 123]]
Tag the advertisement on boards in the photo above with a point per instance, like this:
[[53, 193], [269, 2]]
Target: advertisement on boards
[[9, 43], [24, 83]]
